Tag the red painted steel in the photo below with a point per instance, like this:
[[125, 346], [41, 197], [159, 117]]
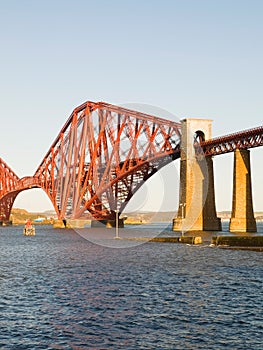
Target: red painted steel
[[241, 140], [102, 155], [8, 183]]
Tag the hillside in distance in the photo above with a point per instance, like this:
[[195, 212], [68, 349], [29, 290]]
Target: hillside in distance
[[19, 216]]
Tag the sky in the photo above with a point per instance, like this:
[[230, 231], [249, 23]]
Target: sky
[[192, 58]]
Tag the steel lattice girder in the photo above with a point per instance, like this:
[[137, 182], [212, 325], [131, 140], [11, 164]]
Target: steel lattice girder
[[240, 140], [102, 155], [8, 193], [8, 179]]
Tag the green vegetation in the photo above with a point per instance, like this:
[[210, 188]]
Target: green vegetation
[[19, 217]]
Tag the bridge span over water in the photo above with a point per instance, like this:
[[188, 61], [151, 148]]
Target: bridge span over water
[[104, 153]]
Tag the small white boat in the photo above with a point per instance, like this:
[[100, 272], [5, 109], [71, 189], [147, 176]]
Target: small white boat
[[29, 231]]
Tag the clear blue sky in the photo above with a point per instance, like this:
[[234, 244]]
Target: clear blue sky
[[193, 58]]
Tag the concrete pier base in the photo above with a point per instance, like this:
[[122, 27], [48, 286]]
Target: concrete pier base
[[6, 223], [187, 224], [197, 209], [212, 224], [177, 224], [238, 241], [242, 225], [242, 217], [59, 224], [107, 223], [77, 223], [71, 223], [182, 239]]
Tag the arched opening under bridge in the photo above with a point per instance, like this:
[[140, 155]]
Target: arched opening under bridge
[[33, 200], [158, 198]]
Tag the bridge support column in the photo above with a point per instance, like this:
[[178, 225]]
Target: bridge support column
[[196, 210], [242, 218]]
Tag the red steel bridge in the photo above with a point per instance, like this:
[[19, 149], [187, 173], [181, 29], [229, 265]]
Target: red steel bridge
[[101, 157]]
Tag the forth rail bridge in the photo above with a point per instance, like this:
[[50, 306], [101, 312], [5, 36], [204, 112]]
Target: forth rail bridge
[[104, 154]]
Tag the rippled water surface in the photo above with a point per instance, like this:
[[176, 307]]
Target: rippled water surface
[[61, 291]]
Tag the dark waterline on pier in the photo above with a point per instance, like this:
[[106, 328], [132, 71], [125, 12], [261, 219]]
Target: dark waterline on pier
[[61, 291]]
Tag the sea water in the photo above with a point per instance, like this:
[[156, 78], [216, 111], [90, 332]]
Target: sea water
[[60, 290]]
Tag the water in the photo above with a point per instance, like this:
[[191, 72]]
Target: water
[[61, 291]]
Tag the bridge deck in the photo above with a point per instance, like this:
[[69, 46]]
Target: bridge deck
[[241, 140]]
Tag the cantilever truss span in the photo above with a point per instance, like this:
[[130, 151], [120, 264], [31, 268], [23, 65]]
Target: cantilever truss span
[[8, 184], [102, 155]]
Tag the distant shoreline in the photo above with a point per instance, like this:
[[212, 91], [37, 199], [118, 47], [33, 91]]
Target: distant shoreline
[[19, 217]]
